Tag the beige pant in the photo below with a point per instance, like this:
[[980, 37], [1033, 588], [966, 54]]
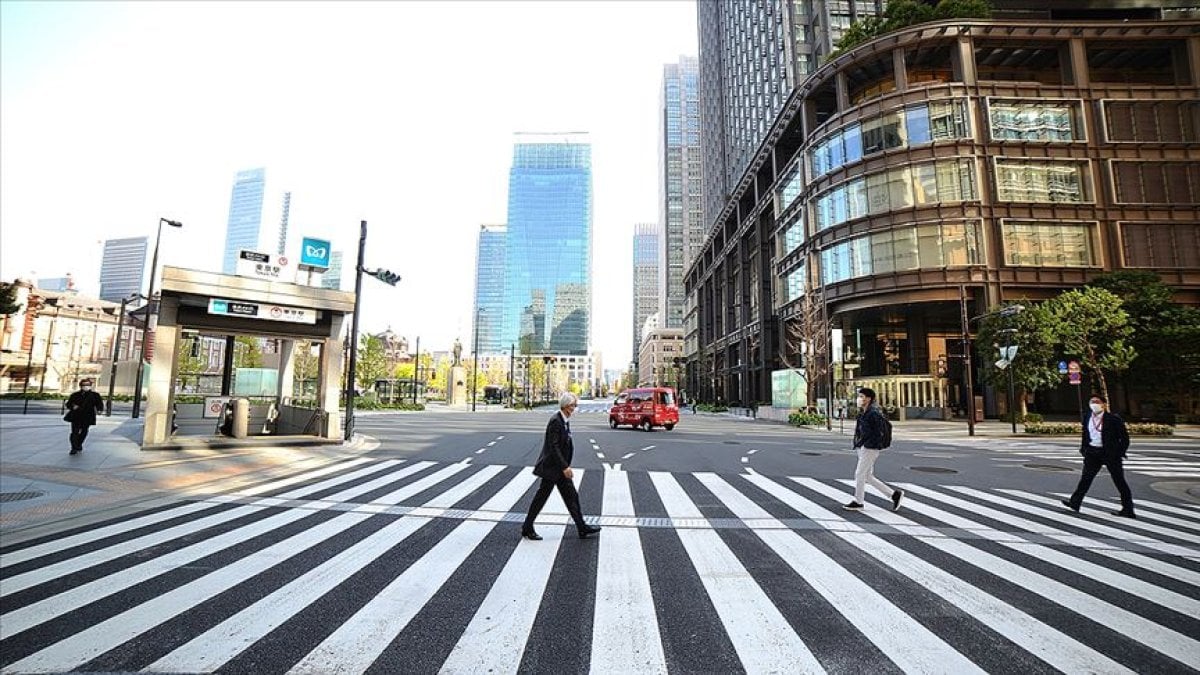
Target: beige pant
[[865, 473]]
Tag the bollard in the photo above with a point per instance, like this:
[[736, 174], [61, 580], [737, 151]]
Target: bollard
[[241, 417]]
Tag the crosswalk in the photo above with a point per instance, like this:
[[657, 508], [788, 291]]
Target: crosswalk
[[1161, 463], [380, 566]]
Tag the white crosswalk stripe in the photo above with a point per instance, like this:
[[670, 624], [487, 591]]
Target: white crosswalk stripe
[[961, 579]]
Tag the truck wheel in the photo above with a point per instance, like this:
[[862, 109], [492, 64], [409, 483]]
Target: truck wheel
[[646, 425], [612, 422], [668, 427]]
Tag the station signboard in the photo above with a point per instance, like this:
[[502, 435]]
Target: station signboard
[[261, 310], [314, 254], [263, 266]]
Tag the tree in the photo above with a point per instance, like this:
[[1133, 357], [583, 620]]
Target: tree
[[1166, 337], [247, 353], [305, 366], [371, 362], [497, 373], [1090, 323], [8, 299], [1035, 339], [903, 13], [536, 376], [404, 371]]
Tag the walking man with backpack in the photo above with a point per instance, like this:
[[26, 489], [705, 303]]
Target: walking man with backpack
[[872, 433]]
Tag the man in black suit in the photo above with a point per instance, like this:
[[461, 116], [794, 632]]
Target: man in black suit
[[82, 407], [554, 468], [1105, 440]]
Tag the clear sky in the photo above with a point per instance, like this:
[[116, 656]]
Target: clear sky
[[399, 113]]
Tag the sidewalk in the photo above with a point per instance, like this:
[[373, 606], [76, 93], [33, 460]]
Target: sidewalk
[[42, 484]]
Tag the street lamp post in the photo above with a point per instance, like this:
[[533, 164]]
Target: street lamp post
[[116, 354], [386, 277], [475, 362], [147, 331]]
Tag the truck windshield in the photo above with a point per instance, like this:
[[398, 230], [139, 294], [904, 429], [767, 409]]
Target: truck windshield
[[668, 398]]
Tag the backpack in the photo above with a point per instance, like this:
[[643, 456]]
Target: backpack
[[887, 432]]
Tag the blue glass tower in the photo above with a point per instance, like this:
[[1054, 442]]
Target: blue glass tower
[[548, 289], [489, 289], [245, 216]]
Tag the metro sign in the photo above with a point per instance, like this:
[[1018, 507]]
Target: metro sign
[[314, 254]]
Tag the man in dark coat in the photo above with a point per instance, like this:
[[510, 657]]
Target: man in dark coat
[[81, 408], [1105, 440], [554, 468]]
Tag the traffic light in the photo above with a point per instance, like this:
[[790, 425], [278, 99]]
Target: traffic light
[[386, 276]]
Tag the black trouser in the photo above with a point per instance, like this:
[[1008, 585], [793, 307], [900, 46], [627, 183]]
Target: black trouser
[[570, 497], [1091, 467], [79, 432]]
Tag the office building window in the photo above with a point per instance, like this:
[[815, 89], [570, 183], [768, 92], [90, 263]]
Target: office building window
[[1161, 245], [790, 188], [1026, 180], [793, 235], [924, 246], [1038, 244], [947, 180], [1151, 121], [908, 127], [1157, 182], [1040, 121], [794, 284]]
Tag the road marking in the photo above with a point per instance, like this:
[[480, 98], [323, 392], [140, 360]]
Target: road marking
[[627, 455], [751, 452], [499, 438], [649, 447], [745, 460], [600, 455], [612, 467], [491, 444]]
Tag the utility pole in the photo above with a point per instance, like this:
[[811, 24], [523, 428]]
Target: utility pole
[[358, 275], [966, 356], [116, 353], [416, 370], [512, 362]]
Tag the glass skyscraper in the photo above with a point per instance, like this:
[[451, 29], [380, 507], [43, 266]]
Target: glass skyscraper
[[489, 289], [680, 186], [245, 216], [122, 267], [547, 296], [645, 279]]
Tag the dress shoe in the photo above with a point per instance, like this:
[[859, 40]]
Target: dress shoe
[[1124, 514], [76, 452], [853, 506], [1067, 503], [530, 534], [589, 531]]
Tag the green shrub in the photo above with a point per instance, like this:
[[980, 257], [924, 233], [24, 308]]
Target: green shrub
[[1053, 428], [1144, 429], [189, 398], [1027, 418], [805, 418]]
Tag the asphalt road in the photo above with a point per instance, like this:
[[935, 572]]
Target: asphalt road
[[724, 549]]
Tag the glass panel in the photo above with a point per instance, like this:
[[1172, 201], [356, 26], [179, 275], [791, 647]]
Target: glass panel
[[904, 249], [917, 122], [841, 209], [836, 155], [954, 245], [1049, 244], [947, 119], [924, 184], [872, 136], [900, 188], [852, 140], [856, 196], [860, 257], [877, 193], [892, 125], [929, 245], [1040, 182], [1033, 121], [881, 252], [823, 218]]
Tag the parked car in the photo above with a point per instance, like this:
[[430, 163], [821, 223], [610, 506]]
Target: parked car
[[645, 408]]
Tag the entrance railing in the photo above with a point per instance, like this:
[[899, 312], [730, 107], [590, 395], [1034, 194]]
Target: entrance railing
[[905, 391]]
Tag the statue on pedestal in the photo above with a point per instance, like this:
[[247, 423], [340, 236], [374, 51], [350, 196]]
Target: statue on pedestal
[[457, 353]]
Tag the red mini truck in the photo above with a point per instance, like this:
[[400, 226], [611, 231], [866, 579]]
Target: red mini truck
[[645, 408]]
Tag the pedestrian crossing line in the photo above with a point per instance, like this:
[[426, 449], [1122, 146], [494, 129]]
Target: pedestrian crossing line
[[1153, 635], [362, 638], [1106, 530], [1169, 508], [58, 545], [1141, 524], [1147, 511], [761, 636], [1122, 582], [625, 631], [908, 643], [45, 573], [212, 649], [78, 648], [495, 639], [1106, 549], [1039, 639]]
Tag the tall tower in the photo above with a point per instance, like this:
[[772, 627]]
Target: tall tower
[[547, 293], [752, 54], [245, 216], [122, 267], [489, 289], [645, 279], [283, 223], [680, 185]]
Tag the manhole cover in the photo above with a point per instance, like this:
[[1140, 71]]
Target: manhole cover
[[809, 454], [18, 496], [1049, 467], [733, 442], [933, 469]]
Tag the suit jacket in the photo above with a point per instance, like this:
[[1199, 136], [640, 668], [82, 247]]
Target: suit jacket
[[557, 450], [82, 407], [1113, 435]]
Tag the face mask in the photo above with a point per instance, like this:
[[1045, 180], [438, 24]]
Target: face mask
[[1097, 408], [86, 387], [862, 402]]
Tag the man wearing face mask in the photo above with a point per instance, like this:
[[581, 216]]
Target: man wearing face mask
[[869, 441], [82, 407], [1105, 440]]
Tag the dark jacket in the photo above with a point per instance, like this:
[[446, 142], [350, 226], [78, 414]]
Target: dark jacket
[[868, 430], [82, 407], [1113, 435], [557, 450]]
